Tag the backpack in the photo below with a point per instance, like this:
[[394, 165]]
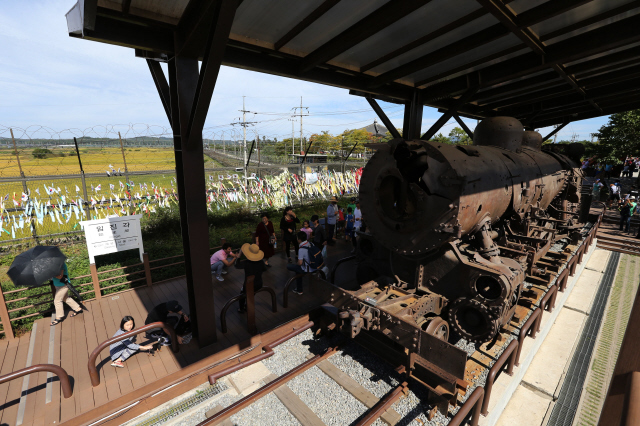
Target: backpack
[[315, 256]]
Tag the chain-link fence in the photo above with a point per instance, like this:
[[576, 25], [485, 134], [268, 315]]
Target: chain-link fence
[[50, 180]]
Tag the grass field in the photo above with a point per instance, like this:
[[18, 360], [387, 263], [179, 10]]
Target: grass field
[[63, 161]]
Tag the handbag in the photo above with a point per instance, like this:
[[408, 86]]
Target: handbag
[[272, 240]]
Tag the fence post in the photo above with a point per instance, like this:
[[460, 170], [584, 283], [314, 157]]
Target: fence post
[[84, 183], [94, 279], [4, 316], [24, 186], [147, 268]]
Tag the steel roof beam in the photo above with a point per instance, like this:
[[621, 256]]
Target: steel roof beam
[[127, 34], [509, 20], [547, 11], [426, 38], [385, 120], [220, 27], [516, 88], [582, 46], [362, 30], [556, 130], [632, 104], [468, 43], [557, 33], [463, 125], [305, 23], [469, 65], [161, 85], [589, 21], [598, 87], [449, 113]]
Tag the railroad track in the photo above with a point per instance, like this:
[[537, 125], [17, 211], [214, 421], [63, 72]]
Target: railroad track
[[618, 243]]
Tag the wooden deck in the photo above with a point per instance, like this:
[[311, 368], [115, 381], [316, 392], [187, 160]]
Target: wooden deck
[[35, 400]]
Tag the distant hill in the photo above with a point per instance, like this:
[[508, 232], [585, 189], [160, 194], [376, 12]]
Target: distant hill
[[371, 129]]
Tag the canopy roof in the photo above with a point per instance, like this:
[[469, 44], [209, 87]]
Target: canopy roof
[[543, 62]]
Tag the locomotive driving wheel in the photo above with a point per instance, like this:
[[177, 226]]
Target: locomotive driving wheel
[[439, 328], [436, 326]]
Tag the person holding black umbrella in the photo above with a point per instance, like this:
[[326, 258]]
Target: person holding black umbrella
[[62, 296], [37, 266]]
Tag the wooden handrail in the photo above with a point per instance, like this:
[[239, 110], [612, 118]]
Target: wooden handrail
[[65, 384], [91, 364]]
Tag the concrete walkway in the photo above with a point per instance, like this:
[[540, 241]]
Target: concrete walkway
[[533, 399]]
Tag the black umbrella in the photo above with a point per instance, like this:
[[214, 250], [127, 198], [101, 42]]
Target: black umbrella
[[36, 266]]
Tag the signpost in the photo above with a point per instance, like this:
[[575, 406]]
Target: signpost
[[113, 234]]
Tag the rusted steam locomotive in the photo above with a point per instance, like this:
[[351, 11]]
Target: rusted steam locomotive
[[452, 232]]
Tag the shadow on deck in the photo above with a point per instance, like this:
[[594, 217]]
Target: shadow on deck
[[37, 400]]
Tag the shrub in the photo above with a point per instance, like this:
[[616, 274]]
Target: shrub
[[41, 152]]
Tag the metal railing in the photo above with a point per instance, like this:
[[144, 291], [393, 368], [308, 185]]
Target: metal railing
[[91, 364], [65, 384]]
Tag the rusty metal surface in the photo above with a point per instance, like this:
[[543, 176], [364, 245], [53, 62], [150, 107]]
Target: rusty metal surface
[[465, 248]]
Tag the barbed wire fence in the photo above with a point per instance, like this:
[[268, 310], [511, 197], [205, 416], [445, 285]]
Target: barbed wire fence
[[50, 180]]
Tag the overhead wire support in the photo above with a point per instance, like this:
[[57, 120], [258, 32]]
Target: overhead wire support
[[244, 123], [302, 108]]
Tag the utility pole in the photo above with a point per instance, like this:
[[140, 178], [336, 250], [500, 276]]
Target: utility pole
[[244, 125], [293, 140], [301, 115]]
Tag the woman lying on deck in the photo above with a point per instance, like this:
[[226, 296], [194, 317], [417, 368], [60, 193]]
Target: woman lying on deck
[[123, 349]]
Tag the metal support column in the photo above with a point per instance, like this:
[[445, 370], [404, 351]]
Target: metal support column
[[190, 179], [412, 117]]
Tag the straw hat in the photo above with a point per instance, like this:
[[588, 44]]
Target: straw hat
[[334, 198], [252, 251]]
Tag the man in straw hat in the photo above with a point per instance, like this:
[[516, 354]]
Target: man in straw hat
[[252, 265], [332, 215]]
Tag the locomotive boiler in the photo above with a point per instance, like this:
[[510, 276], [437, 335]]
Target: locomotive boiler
[[464, 225], [453, 234]]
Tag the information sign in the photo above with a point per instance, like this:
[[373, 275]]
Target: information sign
[[113, 234]]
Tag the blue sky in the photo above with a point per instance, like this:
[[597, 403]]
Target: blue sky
[[50, 79]]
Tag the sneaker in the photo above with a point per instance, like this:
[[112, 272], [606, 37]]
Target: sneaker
[[118, 364], [224, 272], [299, 293], [219, 278]]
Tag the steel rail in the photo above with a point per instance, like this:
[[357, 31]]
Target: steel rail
[[268, 351], [270, 387], [383, 405]]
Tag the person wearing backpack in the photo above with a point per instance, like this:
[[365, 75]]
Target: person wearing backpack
[[309, 260]]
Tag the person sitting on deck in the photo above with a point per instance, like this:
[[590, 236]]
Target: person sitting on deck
[[122, 350], [252, 265], [161, 314], [222, 258]]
